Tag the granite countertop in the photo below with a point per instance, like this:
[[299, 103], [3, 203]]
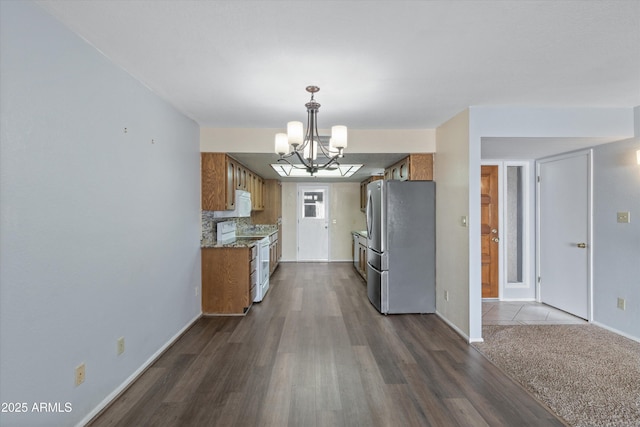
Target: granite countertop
[[363, 233], [245, 235], [256, 230], [239, 243], [253, 235]]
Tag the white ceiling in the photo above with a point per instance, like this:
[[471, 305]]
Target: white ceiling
[[379, 64]]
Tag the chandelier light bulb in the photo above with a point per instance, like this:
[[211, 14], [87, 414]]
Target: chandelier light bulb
[[339, 136], [295, 132], [282, 144]]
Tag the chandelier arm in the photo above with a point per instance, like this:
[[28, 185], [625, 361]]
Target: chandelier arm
[[329, 163], [285, 156], [303, 161], [294, 165], [326, 151]]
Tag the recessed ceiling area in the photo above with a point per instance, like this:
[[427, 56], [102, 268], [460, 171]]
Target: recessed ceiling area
[[373, 164]]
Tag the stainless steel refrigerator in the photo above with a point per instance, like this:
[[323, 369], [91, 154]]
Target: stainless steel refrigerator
[[401, 246]]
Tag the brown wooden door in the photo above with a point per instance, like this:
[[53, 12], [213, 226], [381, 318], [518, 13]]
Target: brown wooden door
[[489, 230]]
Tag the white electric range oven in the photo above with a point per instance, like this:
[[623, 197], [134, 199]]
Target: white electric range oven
[[263, 269]]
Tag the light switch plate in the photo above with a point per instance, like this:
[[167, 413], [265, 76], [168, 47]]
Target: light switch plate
[[624, 217]]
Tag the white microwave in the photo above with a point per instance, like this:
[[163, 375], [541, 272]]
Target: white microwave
[[242, 209]]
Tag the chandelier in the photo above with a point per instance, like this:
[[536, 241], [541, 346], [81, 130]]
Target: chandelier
[[314, 154]]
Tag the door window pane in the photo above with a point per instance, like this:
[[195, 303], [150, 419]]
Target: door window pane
[[514, 224], [313, 204]]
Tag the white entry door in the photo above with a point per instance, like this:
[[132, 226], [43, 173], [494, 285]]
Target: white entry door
[[313, 222], [564, 223]]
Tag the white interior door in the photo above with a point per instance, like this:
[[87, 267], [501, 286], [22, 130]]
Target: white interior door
[[564, 223], [313, 223]]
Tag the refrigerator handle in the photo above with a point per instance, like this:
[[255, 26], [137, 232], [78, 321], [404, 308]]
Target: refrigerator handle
[[369, 218]]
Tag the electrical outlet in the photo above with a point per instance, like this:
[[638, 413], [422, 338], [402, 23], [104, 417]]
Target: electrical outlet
[[197, 290], [120, 345], [624, 217], [622, 304], [80, 371]]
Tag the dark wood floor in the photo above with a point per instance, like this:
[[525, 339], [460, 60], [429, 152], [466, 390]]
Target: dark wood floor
[[315, 352]]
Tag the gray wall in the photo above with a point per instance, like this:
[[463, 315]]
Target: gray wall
[[99, 229], [616, 247]]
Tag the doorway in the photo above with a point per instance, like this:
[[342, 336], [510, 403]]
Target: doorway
[[564, 224], [313, 222], [489, 230], [506, 230]]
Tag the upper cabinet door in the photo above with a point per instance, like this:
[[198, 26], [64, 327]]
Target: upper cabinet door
[[213, 182], [415, 167], [230, 185]]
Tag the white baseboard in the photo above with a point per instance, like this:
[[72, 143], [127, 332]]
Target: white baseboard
[[115, 393], [615, 331], [458, 330]]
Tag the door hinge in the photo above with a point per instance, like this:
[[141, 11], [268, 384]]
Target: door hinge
[[538, 178], [539, 279]]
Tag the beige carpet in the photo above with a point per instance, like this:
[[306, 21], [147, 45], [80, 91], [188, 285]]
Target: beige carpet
[[585, 374]]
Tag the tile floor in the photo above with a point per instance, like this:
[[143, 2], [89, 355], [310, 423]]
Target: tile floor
[[524, 313]]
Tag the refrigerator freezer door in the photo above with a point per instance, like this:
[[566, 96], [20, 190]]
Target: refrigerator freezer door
[[377, 288], [377, 260]]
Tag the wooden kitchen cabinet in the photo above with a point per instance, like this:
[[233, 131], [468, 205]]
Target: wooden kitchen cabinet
[[229, 185], [218, 182], [360, 254], [279, 247], [363, 190], [221, 176], [275, 251], [257, 192], [229, 279], [363, 257], [271, 214], [273, 257], [240, 179], [251, 187], [414, 167], [271, 203]]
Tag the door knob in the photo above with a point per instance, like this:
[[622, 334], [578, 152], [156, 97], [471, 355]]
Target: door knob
[[494, 231], [581, 245], [495, 239]]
